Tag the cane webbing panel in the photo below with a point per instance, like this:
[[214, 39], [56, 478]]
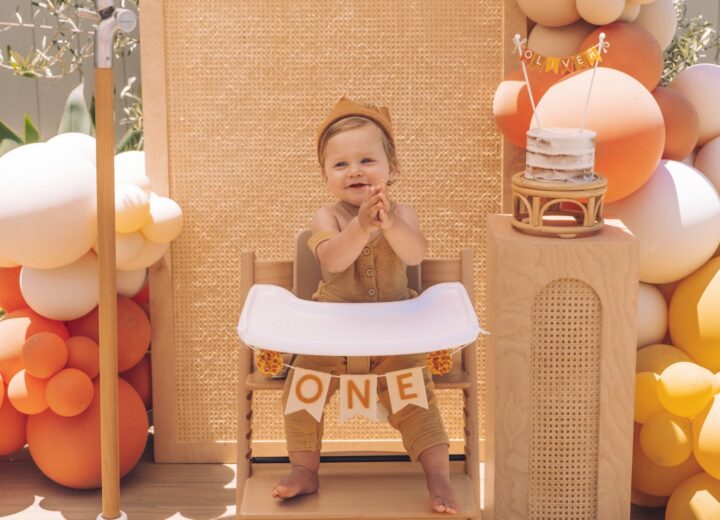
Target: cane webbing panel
[[247, 84], [564, 402]]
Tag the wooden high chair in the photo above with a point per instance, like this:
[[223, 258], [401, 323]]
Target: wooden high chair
[[359, 490]]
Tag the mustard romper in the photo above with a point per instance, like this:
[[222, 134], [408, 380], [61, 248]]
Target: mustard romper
[[377, 275]]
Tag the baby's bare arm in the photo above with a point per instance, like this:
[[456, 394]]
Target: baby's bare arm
[[338, 253], [405, 237]]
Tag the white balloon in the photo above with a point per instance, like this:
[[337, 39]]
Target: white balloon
[[559, 41], [676, 217], [77, 143], [129, 283], [652, 316], [660, 19], [707, 161], [600, 12], [552, 13], [165, 222], [700, 84], [130, 169], [150, 254], [630, 13], [64, 293], [132, 208]]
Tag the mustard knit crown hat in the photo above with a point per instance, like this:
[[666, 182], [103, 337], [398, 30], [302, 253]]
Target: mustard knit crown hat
[[347, 108]]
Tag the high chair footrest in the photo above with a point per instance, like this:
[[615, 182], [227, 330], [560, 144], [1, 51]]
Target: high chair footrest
[[357, 490]]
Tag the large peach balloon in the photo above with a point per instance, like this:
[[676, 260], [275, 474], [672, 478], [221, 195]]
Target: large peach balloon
[[47, 206], [63, 293], [682, 126], [600, 13], [511, 104], [700, 84], [660, 20], [559, 41], [67, 449], [644, 62], [553, 13], [12, 428], [708, 161], [628, 122], [676, 218], [10, 296]]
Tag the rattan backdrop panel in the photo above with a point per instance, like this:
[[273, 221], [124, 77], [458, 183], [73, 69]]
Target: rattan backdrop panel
[[244, 86]]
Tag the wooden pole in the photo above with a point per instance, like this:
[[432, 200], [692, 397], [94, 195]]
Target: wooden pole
[[105, 152]]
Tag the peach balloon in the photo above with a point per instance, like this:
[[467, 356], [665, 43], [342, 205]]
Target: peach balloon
[[630, 12], [12, 428], [708, 161], [69, 392], [47, 290], [129, 283], [83, 354], [660, 19], [559, 41], [600, 13], [67, 449], [132, 208], [27, 393], [2, 390], [128, 246], [151, 253], [165, 220], [627, 120], [700, 84], [553, 13], [44, 354], [11, 298], [644, 60], [140, 377], [130, 169], [682, 126], [651, 316]]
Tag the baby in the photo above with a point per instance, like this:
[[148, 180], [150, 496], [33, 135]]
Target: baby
[[363, 243]]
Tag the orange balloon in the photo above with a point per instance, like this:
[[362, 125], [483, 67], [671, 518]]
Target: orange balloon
[[84, 354], [682, 126], [11, 299], [69, 392], [133, 331], [511, 105], [44, 354], [633, 50], [15, 329], [2, 390], [27, 393], [67, 449], [140, 377], [629, 125], [12, 428]]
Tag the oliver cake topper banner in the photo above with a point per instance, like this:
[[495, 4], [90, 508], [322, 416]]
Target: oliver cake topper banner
[[563, 65]]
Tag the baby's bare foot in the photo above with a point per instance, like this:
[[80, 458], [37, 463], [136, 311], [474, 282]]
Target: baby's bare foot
[[300, 481], [442, 498]]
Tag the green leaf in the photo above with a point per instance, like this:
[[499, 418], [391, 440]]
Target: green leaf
[[8, 139], [76, 117], [31, 133], [92, 114], [129, 141]]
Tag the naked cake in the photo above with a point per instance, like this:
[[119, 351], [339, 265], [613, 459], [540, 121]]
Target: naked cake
[[560, 155]]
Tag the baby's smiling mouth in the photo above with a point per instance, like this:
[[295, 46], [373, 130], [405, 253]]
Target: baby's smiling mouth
[[357, 185]]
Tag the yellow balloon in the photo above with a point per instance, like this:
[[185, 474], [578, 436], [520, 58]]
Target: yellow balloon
[[685, 388], [655, 480], [706, 438], [132, 208], [647, 402], [666, 439], [695, 499], [716, 383], [656, 358], [693, 315]]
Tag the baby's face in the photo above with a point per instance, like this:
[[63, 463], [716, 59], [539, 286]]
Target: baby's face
[[355, 160]]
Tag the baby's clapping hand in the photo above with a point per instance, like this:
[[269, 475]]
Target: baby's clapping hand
[[368, 211], [386, 216]]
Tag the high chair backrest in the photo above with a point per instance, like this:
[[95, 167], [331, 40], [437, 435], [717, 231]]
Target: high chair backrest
[[307, 275]]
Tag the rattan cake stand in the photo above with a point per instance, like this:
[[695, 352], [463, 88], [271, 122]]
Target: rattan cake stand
[[557, 209]]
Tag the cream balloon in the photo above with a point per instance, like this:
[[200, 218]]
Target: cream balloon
[[130, 169], [552, 13], [127, 246], [676, 217], [700, 84], [708, 161], [129, 283], [652, 315], [47, 206], [600, 12], [630, 12], [76, 143], [165, 220], [64, 293], [660, 19], [706, 438], [132, 208], [151, 253], [666, 439], [559, 41]]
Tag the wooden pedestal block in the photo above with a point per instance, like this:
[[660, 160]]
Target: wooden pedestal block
[[560, 373]]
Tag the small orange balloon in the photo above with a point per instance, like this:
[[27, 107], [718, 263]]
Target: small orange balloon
[[44, 354], [10, 367], [682, 126], [11, 299], [84, 354], [69, 392], [633, 50], [140, 377], [12, 428], [27, 393], [2, 390]]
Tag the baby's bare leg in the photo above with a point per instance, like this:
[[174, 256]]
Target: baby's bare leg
[[435, 463], [303, 477]]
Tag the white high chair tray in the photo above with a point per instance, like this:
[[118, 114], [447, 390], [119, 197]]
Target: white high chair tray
[[441, 317]]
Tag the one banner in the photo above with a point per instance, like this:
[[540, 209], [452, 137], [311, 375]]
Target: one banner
[[564, 65], [308, 391], [406, 387], [358, 396]]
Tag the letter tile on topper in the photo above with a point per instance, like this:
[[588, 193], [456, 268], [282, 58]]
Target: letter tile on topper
[[308, 391], [358, 396], [406, 387]]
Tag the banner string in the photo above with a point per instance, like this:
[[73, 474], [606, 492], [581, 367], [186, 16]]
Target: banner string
[[519, 47], [602, 47]]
